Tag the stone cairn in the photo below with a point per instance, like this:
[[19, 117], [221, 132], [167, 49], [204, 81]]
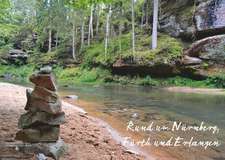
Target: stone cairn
[[41, 123]]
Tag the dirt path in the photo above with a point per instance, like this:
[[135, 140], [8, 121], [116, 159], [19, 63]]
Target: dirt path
[[87, 137]]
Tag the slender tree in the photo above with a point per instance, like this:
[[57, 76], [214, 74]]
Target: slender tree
[[107, 29], [82, 33], [98, 14], [90, 28], [50, 39], [74, 41], [133, 27], [143, 14], [155, 22]]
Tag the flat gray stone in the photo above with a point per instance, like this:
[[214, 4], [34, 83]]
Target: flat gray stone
[[45, 70], [73, 97], [42, 133], [54, 150], [30, 119]]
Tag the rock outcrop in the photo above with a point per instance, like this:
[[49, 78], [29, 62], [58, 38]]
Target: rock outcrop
[[211, 49], [204, 57], [124, 67], [188, 18], [187, 60], [209, 18], [44, 114], [16, 56], [176, 18]]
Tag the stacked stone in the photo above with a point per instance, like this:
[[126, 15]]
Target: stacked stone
[[44, 114]]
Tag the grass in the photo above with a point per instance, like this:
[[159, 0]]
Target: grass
[[169, 49], [16, 73], [78, 75], [6, 32]]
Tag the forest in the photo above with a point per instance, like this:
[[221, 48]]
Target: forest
[[112, 79], [106, 41]]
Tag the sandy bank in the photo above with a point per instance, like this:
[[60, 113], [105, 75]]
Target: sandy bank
[[196, 90], [87, 137]]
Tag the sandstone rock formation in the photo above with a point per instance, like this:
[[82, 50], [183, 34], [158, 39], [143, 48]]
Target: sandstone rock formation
[[14, 56], [210, 49], [187, 19], [209, 18], [44, 114], [176, 18]]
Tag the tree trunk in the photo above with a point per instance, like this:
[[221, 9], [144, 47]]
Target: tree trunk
[[74, 41], [97, 23], [107, 30], [82, 35], [120, 34], [155, 23], [57, 40], [49, 40], [146, 13], [133, 27], [90, 28], [143, 14]]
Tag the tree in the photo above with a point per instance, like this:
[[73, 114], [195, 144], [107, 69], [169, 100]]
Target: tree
[[90, 27], [4, 5], [155, 22], [133, 27], [82, 32], [107, 29], [77, 18]]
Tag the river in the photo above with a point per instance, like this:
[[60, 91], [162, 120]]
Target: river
[[118, 105]]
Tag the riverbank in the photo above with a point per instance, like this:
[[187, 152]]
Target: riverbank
[[95, 76], [211, 91], [87, 137]]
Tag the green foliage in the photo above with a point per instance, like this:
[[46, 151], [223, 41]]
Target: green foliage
[[181, 81], [217, 80], [6, 33], [70, 76], [4, 50], [147, 81], [79, 75], [169, 49], [4, 5], [16, 73]]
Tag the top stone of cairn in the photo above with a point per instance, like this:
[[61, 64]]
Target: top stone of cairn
[[44, 78]]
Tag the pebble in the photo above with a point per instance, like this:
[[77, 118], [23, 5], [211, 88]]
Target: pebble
[[41, 156]]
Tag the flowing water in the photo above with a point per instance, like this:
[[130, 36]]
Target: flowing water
[[118, 105]]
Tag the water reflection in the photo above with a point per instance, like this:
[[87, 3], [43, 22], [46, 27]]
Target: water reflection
[[144, 105]]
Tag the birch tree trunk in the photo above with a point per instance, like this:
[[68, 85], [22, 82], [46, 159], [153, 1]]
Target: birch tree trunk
[[107, 30], [90, 28], [97, 23], [146, 13], [133, 27], [155, 22], [73, 45], [57, 40], [120, 34], [49, 40], [143, 14], [82, 35]]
